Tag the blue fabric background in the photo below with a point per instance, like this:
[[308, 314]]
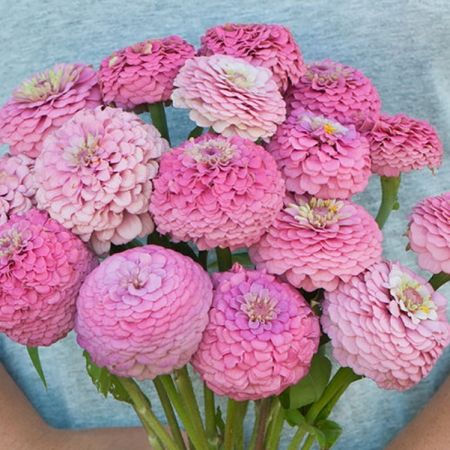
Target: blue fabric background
[[403, 46]]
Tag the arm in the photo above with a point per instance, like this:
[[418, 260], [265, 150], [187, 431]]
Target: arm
[[21, 428], [430, 430]]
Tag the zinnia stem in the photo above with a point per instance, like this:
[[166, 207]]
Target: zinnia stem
[[203, 258], [144, 411], [239, 425], [389, 198], [158, 115], [170, 415], [275, 426], [308, 443], [439, 279], [210, 416], [224, 259], [297, 439], [262, 423], [232, 410]]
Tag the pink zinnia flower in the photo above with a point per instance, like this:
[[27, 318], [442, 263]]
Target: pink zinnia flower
[[321, 157], [144, 72], [400, 144], [260, 338], [43, 103], [142, 312], [42, 266], [338, 92], [217, 192], [94, 176], [429, 233], [270, 46], [17, 185], [387, 324], [230, 95], [316, 243]]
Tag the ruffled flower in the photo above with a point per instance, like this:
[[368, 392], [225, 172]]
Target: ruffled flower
[[429, 233], [43, 103], [230, 95], [316, 243], [270, 46], [17, 185], [217, 192], [387, 324], [400, 144], [94, 176], [42, 266], [144, 72], [260, 338], [321, 157], [338, 92], [142, 312]]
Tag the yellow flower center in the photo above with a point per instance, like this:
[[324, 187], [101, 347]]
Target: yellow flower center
[[212, 152], [239, 79], [318, 212], [259, 308], [10, 242]]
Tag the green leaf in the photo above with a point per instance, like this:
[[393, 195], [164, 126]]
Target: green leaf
[[34, 356], [219, 421], [294, 417], [196, 132], [105, 382], [163, 241], [329, 433], [310, 388]]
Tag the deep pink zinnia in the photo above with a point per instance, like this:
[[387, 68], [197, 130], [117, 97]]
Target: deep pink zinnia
[[321, 157], [400, 144], [429, 233], [217, 192], [142, 312], [260, 338], [387, 324], [94, 176], [266, 45], [43, 103], [144, 72], [42, 266], [230, 95], [316, 243], [17, 185], [338, 92]]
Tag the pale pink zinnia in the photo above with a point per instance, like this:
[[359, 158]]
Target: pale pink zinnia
[[142, 312], [94, 176], [400, 144], [42, 266], [338, 92], [260, 338], [266, 45], [387, 324], [217, 192], [144, 72], [321, 157], [17, 185], [230, 95], [316, 243], [429, 233], [43, 103]]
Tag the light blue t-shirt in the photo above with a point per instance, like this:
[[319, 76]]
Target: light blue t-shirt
[[403, 46]]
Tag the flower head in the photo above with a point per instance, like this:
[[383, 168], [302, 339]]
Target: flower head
[[144, 72], [315, 243], [387, 324], [17, 185], [230, 95], [42, 266], [400, 144], [260, 338], [43, 103], [217, 192], [265, 45], [95, 173], [337, 91], [321, 157], [142, 312], [429, 233]]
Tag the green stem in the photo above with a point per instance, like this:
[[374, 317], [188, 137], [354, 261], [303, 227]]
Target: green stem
[[266, 404], [158, 115], [297, 439], [234, 429], [389, 198], [252, 442], [224, 259], [203, 258], [228, 436], [275, 427], [239, 425], [308, 443], [170, 415], [439, 279], [145, 413], [210, 416]]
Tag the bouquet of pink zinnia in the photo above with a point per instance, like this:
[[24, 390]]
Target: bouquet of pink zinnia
[[237, 256]]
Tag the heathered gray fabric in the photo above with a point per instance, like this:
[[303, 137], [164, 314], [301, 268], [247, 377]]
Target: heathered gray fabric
[[404, 46]]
